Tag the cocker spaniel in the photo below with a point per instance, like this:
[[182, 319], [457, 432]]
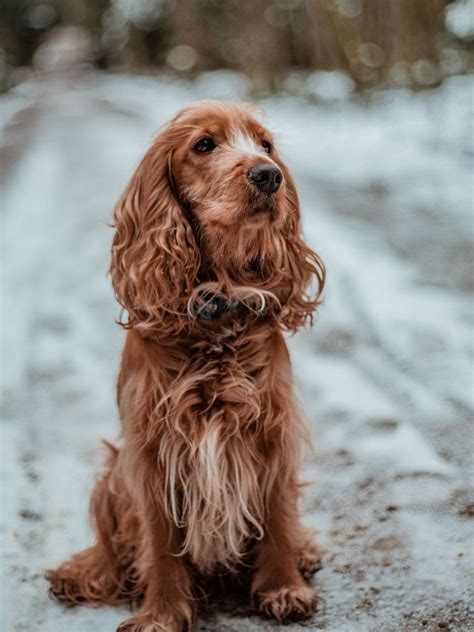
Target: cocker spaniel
[[209, 264]]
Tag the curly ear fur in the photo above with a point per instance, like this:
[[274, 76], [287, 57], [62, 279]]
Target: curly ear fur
[[155, 258], [305, 271], [287, 269]]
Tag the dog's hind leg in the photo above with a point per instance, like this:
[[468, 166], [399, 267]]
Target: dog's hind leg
[[86, 578], [101, 574]]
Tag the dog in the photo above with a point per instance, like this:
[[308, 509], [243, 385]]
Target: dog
[[210, 266]]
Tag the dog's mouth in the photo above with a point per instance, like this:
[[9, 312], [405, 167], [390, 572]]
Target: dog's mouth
[[261, 206], [263, 212]]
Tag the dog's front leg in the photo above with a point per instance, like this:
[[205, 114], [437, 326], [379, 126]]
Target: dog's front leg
[[168, 604], [278, 588]]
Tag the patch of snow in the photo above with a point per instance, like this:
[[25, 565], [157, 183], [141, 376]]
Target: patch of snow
[[329, 85], [400, 446], [460, 18]]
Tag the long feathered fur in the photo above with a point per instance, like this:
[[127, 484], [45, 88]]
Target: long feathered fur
[[207, 472]]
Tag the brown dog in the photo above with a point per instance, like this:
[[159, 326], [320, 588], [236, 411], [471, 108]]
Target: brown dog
[[209, 263]]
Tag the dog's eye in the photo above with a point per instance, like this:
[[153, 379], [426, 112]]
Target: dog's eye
[[266, 146], [204, 144]]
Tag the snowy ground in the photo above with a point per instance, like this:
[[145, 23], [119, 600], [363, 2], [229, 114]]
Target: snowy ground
[[385, 375]]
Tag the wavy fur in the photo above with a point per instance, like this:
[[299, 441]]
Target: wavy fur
[[206, 477]]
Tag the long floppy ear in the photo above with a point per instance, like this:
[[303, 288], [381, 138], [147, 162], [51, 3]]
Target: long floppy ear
[[306, 271], [155, 258]]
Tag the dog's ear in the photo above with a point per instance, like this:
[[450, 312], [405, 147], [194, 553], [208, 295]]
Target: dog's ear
[[155, 258], [306, 274]]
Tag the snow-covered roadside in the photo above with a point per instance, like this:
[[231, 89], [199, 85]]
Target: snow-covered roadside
[[385, 375]]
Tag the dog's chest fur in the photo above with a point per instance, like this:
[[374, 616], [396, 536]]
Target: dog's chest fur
[[215, 455]]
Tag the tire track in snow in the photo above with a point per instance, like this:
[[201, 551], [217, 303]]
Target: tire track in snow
[[394, 374]]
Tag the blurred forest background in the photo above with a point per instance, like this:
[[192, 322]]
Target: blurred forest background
[[277, 43]]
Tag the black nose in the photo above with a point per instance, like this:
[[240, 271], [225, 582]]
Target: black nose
[[267, 178]]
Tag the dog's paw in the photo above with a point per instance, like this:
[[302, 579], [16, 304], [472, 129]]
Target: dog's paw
[[288, 602], [151, 623], [64, 590], [309, 559]]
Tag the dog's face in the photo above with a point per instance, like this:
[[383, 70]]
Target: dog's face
[[227, 168]]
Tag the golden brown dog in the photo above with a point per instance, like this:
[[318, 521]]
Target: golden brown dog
[[209, 263]]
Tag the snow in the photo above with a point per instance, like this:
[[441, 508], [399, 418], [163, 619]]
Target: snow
[[330, 85], [385, 376]]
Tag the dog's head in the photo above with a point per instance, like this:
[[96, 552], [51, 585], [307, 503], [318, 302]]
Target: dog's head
[[211, 203], [227, 171]]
